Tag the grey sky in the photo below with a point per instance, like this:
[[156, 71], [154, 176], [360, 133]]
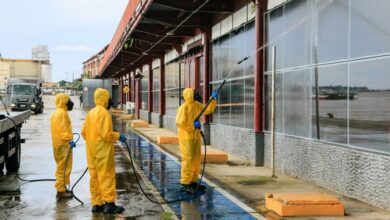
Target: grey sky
[[73, 29]]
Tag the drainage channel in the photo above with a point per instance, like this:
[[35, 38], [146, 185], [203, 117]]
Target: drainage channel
[[163, 171]]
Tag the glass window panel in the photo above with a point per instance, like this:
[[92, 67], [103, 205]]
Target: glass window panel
[[224, 104], [144, 81], [144, 100], [215, 59], [144, 90], [224, 63], [156, 90], [249, 71], [274, 31], [201, 69], [172, 101], [332, 104], [297, 95], [369, 110], [297, 48], [156, 79], [279, 102], [156, 101], [182, 65], [331, 27], [249, 102], [370, 28], [215, 115], [237, 103], [201, 92], [172, 75], [249, 48], [237, 51]]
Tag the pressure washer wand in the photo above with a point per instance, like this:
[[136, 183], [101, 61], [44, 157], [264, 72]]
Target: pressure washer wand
[[220, 87]]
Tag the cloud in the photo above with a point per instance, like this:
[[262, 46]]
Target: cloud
[[77, 48], [95, 10]]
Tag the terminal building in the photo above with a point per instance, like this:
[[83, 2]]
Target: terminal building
[[332, 94]]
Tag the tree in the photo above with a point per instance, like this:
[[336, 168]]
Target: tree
[[86, 75], [62, 83], [77, 85]]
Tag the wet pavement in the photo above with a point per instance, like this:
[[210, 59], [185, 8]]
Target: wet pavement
[[163, 171], [21, 200]]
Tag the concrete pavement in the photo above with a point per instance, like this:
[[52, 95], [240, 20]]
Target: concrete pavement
[[21, 200]]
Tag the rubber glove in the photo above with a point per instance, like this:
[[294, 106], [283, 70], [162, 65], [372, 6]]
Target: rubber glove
[[214, 95], [122, 138], [72, 144], [197, 124]]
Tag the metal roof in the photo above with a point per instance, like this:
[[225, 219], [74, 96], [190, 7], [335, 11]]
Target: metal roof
[[148, 29]]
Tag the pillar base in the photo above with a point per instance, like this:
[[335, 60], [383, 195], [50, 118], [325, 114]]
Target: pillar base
[[149, 117], [161, 121], [206, 132], [259, 139]]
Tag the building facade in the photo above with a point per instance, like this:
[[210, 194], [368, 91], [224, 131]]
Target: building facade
[[332, 124], [91, 66], [332, 95]]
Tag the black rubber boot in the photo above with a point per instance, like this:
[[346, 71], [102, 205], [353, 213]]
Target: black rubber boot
[[111, 208], [97, 208], [187, 188], [197, 187]]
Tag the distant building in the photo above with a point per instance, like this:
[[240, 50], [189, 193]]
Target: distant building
[[41, 53], [91, 66], [38, 67]]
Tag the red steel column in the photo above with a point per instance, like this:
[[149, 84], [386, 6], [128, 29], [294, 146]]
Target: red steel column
[[259, 70], [162, 85], [206, 71], [150, 89]]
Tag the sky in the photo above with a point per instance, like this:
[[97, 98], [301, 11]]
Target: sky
[[74, 30]]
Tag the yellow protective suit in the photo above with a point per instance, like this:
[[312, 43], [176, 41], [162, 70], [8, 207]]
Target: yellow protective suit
[[61, 134], [100, 137], [189, 137]]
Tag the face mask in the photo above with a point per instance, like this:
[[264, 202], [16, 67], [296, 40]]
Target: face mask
[[69, 105], [197, 97], [109, 104]]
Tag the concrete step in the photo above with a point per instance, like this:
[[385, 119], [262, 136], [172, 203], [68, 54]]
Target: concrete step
[[139, 124], [307, 204], [126, 117], [116, 111], [214, 155], [167, 139]]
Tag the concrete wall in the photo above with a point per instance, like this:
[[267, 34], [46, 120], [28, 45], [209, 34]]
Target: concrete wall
[[25, 69], [4, 74], [356, 173], [155, 119], [170, 123], [240, 142], [144, 115]]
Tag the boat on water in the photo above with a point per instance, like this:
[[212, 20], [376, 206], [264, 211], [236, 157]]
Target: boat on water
[[335, 95]]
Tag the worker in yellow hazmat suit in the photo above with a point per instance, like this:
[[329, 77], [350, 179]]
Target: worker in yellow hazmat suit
[[100, 137], [190, 138], [62, 139]]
